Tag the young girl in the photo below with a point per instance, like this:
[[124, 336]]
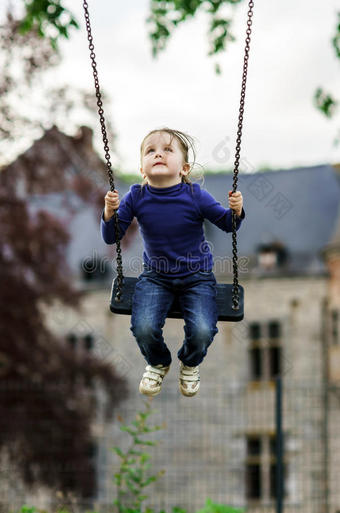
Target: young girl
[[170, 210]]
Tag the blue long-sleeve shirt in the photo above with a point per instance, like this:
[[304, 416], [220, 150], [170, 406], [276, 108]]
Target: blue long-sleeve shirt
[[171, 224]]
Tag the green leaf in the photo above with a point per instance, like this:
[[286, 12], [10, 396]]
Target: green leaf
[[149, 480], [176, 509], [144, 457], [28, 509], [74, 23], [54, 43], [133, 452], [41, 33], [131, 461], [211, 507], [132, 488], [26, 25], [218, 70], [336, 39], [118, 479], [118, 451], [62, 30], [325, 103], [128, 430]]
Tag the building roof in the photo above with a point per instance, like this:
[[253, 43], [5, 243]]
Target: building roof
[[296, 207]]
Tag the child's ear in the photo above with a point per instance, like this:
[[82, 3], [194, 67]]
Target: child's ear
[[186, 168]]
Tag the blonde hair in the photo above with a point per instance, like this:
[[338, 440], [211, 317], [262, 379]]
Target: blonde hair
[[186, 143]]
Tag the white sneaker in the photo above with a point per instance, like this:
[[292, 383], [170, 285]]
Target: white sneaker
[[151, 382], [189, 379]]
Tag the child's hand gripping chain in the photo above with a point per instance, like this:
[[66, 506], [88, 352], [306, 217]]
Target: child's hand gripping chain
[[111, 204], [236, 202]]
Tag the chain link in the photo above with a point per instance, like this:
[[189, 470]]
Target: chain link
[[120, 276], [235, 288]]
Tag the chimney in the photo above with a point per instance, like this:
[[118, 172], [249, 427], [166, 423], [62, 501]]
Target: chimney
[[85, 137]]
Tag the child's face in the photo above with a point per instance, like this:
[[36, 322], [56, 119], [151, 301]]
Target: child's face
[[171, 167]]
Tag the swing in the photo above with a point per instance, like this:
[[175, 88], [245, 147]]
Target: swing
[[230, 297]]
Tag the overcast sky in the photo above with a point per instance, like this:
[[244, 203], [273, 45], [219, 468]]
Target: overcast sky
[[290, 56]]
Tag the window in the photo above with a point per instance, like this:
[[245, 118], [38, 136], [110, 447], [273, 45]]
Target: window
[[88, 342], [253, 446], [274, 330], [253, 481], [335, 326], [274, 361], [72, 340], [261, 467], [256, 363], [265, 350], [92, 450], [92, 454], [272, 256], [273, 468], [255, 331], [84, 342], [253, 467], [267, 259]]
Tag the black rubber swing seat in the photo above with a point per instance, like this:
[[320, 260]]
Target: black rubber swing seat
[[224, 301]]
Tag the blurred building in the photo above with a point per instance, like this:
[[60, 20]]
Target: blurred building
[[221, 443]]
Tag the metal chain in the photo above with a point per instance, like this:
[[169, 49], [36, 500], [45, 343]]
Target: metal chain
[[235, 288], [106, 147]]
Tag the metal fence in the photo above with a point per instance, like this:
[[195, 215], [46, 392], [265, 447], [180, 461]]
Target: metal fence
[[261, 446]]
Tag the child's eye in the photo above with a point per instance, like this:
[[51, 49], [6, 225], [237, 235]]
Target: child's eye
[[169, 149]]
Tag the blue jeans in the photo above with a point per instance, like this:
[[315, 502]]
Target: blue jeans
[[152, 299]]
